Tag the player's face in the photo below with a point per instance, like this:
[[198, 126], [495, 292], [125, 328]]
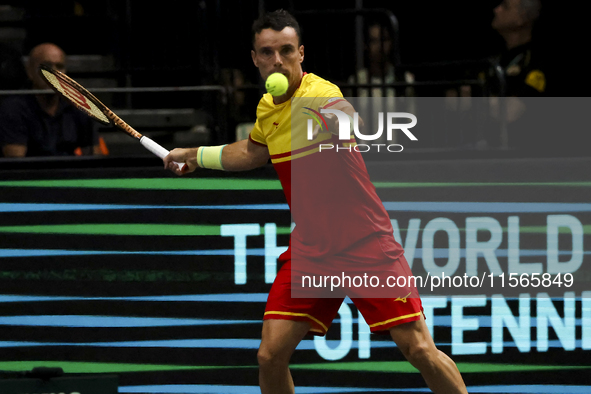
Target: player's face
[[508, 15], [279, 51]]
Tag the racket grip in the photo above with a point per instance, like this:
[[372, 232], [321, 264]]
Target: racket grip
[[157, 149]]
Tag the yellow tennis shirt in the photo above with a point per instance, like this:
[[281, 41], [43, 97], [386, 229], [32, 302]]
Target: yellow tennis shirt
[[332, 200]]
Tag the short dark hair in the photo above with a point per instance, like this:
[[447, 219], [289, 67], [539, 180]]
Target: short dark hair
[[276, 20]]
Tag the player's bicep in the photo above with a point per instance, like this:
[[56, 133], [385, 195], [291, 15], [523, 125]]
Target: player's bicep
[[258, 153]]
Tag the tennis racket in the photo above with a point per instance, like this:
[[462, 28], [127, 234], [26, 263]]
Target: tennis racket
[[89, 104]]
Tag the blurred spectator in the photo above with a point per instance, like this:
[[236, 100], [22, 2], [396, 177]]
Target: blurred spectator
[[517, 119], [514, 21], [381, 72], [380, 69], [233, 79], [45, 124], [524, 75], [520, 61], [243, 99]]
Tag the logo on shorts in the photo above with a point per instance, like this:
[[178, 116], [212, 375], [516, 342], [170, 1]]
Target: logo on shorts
[[403, 299]]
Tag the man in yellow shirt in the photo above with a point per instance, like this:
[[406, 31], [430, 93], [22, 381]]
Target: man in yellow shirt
[[320, 186]]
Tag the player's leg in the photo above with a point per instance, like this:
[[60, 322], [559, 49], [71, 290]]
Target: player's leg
[[279, 340], [438, 370], [287, 320]]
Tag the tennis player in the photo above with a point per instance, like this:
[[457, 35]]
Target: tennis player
[[339, 218]]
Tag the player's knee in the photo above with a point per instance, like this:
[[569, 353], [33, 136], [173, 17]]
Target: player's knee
[[269, 359], [421, 355], [264, 358]]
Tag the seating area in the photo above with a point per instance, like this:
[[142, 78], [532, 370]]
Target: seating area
[[190, 92]]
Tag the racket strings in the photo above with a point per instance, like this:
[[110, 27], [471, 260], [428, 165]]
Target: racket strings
[[70, 91], [84, 100]]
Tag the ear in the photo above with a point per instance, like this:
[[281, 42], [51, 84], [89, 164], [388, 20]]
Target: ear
[[254, 58], [301, 50]]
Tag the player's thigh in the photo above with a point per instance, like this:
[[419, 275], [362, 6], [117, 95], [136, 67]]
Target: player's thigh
[[316, 311]]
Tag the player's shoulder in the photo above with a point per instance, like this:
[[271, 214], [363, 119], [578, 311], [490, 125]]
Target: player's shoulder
[[265, 105], [312, 82]]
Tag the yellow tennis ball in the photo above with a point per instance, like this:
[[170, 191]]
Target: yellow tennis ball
[[277, 84]]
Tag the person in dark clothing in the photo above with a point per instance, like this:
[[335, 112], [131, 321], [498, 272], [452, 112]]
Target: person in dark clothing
[[524, 71], [523, 67], [45, 124]]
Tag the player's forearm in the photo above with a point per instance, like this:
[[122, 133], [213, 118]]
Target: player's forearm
[[244, 155], [239, 156], [347, 108], [233, 157]]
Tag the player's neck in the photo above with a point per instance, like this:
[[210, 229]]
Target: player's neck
[[281, 99], [289, 94]]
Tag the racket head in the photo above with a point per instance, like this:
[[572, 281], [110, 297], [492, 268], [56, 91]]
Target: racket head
[[75, 93]]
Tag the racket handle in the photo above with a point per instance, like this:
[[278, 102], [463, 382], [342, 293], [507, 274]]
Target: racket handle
[[157, 149]]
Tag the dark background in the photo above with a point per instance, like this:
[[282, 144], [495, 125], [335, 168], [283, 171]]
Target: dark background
[[193, 40]]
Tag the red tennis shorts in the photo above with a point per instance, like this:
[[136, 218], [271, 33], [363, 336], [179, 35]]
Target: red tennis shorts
[[379, 313]]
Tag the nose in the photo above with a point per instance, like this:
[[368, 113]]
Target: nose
[[277, 59]]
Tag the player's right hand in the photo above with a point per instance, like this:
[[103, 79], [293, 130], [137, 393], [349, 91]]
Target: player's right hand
[[333, 126], [179, 155]]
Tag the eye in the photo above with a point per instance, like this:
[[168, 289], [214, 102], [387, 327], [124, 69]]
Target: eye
[[266, 52], [286, 50]]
